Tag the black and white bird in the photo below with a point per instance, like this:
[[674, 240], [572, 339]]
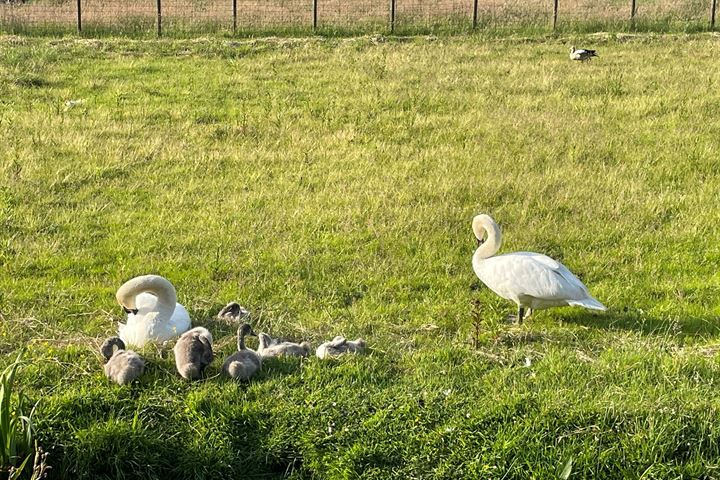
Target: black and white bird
[[582, 54]]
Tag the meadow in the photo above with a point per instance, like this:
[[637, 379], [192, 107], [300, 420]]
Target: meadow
[[328, 185]]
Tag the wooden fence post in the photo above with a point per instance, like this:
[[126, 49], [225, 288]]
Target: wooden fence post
[[475, 14], [555, 13], [392, 16], [159, 18], [712, 14], [315, 15], [234, 16], [633, 10], [79, 17]]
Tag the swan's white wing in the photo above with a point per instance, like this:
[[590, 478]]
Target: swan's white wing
[[180, 320], [178, 324], [558, 268], [523, 275]]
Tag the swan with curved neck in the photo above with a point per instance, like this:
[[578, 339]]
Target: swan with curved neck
[[532, 280], [153, 314]]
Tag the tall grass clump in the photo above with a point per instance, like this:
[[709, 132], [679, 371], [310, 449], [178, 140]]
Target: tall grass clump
[[16, 433]]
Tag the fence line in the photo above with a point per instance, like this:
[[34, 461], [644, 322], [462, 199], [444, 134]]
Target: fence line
[[17, 14], [234, 7], [392, 16]]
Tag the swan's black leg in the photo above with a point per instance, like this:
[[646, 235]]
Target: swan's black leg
[[521, 313]]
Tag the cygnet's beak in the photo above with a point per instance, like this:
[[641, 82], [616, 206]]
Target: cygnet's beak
[[480, 241], [252, 333], [129, 310]]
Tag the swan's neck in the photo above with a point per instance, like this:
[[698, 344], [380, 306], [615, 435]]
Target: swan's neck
[[491, 245], [154, 284], [165, 302]]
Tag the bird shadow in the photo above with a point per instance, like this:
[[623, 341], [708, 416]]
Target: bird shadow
[[145, 441], [630, 319]]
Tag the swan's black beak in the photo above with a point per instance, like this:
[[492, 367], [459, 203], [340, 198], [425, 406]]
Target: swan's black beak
[[480, 241], [130, 310]]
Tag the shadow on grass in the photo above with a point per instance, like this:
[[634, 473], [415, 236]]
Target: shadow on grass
[[106, 449], [636, 320], [210, 434]]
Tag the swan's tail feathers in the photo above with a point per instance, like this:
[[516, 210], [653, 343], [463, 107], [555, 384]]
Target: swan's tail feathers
[[588, 302]]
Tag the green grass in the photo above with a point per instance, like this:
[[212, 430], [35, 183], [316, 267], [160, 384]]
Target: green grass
[[328, 185], [533, 23]]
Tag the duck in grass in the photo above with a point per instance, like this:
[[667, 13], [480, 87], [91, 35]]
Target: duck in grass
[[582, 54]]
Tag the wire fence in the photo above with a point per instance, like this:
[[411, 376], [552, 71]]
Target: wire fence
[[181, 17]]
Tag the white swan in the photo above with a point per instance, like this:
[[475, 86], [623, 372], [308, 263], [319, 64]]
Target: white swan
[[531, 280], [153, 312]]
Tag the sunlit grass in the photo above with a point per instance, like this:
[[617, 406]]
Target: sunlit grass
[[328, 185]]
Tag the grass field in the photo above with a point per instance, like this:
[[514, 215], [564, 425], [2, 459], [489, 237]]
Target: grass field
[[328, 185]]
